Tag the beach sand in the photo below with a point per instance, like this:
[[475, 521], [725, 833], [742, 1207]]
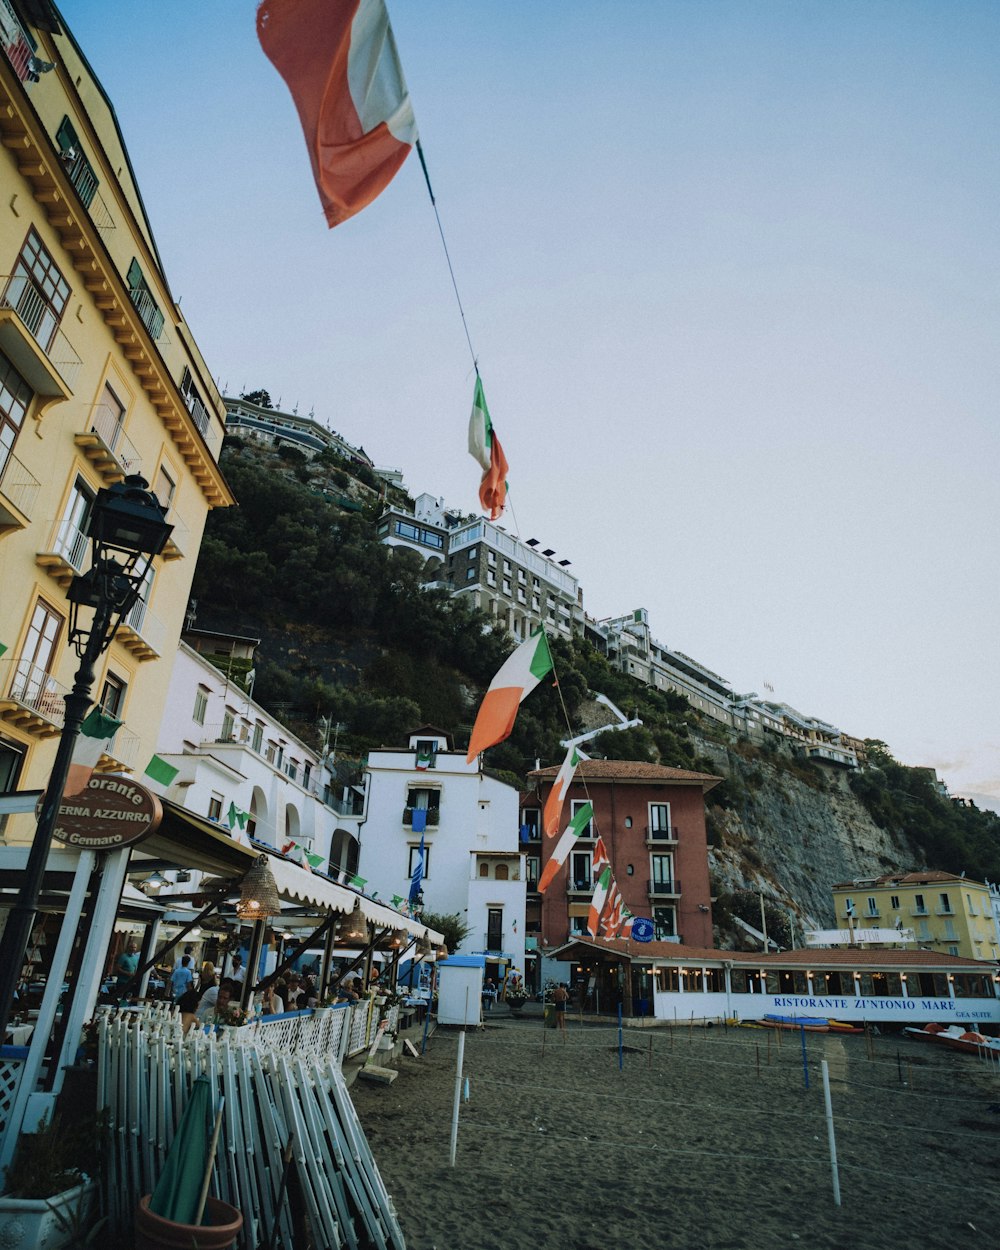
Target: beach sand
[[689, 1144]]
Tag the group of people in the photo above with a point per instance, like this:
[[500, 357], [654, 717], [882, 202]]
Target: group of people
[[206, 999]]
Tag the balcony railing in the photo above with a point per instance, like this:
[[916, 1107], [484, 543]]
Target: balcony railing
[[18, 487], [144, 634], [919, 910], [493, 941], [580, 885], [26, 299], [665, 887], [654, 833], [149, 313], [945, 909], [119, 450], [31, 691], [122, 751], [433, 816], [15, 43]]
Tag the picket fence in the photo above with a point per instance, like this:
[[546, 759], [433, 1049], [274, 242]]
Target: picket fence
[[281, 1079]]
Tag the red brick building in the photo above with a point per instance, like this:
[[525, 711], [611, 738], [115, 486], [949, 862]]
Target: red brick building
[[652, 821]]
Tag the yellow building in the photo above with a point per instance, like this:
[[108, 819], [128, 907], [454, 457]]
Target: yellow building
[[951, 915], [99, 378]]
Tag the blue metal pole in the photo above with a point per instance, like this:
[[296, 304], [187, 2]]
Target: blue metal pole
[[621, 1057]]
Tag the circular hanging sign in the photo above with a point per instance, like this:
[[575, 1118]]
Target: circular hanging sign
[[111, 813], [642, 929]]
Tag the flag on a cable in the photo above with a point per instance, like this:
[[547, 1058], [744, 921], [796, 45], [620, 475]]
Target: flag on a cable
[[339, 60], [485, 449], [557, 795], [517, 677], [578, 827]]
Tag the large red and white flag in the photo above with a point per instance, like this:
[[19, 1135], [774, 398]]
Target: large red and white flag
[[517, 677], [339, 61]]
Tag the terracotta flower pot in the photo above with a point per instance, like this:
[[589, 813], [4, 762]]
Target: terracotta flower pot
[[153, 1232]]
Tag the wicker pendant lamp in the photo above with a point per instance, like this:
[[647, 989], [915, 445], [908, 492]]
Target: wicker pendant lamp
[[258, 892], [424, 947], [354, 930]]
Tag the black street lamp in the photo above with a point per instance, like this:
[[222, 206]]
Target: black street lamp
[[126, 529]]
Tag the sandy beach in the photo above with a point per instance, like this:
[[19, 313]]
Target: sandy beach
[[706, 1137]]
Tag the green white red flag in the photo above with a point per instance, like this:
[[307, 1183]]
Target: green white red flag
[[94, 738], [518, 676], [578, 826], [339, 60], [552, 815], [485, 449], [602, 887]]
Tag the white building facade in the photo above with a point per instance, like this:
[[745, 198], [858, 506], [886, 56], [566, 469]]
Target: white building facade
[[233, 756], [469, 825]]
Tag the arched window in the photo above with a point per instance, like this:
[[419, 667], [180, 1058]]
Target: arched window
[[502, 872]]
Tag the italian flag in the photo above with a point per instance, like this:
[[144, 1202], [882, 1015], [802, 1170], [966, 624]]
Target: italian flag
[[518, 676], [485, 449], [561, 850], [96, 733], [600, 897], [612, 917], [557, 795], [340, 63], [600, 860]]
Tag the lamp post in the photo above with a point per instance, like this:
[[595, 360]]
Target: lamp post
[[126, 530]]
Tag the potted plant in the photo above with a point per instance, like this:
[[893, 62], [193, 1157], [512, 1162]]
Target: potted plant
[[48, 1196], [516, 998]]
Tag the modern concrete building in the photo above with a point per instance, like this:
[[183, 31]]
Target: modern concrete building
[[951, 915], [516, 583], [272, 428], [652, 821], [473, 865], [99, 378]]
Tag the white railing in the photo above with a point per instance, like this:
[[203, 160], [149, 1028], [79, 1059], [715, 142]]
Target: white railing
[[15, 43], [19, 486], [33, 688], [68, 539], [123, 747], [106, 424], [149, 627], [26, 299]]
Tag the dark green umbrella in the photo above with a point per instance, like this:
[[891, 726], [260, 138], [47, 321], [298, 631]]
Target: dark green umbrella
[[178, 1190]]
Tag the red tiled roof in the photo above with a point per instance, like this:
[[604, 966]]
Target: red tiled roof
[[632, 770], [926, 876], [812, 957]]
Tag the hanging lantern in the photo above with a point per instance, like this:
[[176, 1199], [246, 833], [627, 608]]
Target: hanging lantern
[[424, 947], [442, 951], [258, 893], [354, 930]]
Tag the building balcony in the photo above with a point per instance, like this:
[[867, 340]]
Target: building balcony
[[493, 943], [581, 885], [18, 492], [64, 552], [121, 753], [34, 701], [180, 542], [106, 446], [142, 633], [661, 837], [919, 911], [944, 910], [664, 889], [31, 337]]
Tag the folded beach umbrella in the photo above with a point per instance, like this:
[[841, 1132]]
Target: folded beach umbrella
[[177, 1193]]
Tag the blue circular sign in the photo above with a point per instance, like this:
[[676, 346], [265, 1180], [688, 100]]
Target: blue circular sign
[[642, 929]]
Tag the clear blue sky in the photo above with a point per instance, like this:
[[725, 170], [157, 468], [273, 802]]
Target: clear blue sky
[[731, 273]]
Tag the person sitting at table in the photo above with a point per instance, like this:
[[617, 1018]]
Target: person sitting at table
[[270, 1001], [188, 1004], [215, 1001]]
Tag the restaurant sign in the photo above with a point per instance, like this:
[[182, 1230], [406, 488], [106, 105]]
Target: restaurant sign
[[111, 813]]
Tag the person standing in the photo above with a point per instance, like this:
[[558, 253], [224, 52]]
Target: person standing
[[126, 965], [560, 997], [181, 979], [238, 973]]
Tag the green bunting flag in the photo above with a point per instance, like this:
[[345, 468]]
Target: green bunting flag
[[397, 899], [359, 883], [161, 771]]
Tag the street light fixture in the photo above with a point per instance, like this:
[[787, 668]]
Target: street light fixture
[[127, 528]]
